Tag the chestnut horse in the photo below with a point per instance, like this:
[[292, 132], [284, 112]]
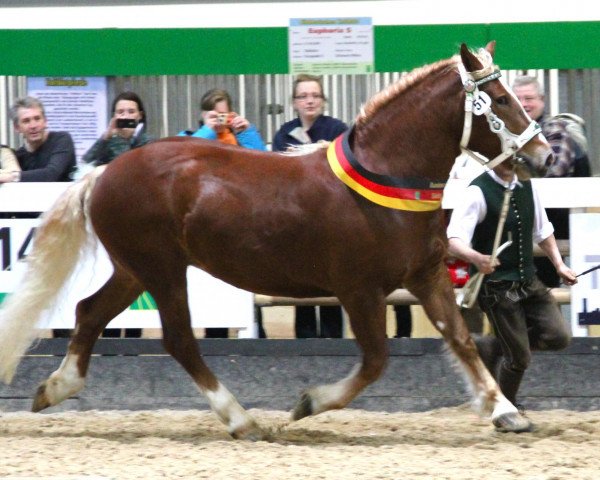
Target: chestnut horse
[[356, 220]]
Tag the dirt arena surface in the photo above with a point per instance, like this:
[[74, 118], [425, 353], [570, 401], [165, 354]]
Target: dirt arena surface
[[450, 443]]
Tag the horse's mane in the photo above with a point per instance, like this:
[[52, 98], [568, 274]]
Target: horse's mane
[[409, 79]]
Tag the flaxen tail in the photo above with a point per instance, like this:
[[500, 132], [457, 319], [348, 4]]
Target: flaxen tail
[[59, 242]]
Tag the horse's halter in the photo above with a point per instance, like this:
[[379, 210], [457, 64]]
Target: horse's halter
[[511, 143]]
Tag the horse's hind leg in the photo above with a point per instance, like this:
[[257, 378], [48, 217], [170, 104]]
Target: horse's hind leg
[[445, 316], [170, 293], [92, 315], [367, 317]]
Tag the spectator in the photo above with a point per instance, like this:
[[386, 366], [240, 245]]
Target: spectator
[[121, 136], [523, 313], [45, 156], [126, 131], [219, 122], [9, 165], [311, 126], [9, 171], [566, 135], [403, 321]]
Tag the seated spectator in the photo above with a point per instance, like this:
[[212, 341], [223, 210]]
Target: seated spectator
[[126, 130], [566, 135], [219, 122], [403, 321], [45, 156], [9, 165], [311, 126]]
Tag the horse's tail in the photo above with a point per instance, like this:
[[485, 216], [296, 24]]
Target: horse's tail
[[59, 242]]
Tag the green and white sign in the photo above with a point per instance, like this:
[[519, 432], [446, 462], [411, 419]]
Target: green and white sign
[[331, 45]]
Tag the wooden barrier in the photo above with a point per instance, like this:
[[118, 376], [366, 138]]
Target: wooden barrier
[[398, 297]]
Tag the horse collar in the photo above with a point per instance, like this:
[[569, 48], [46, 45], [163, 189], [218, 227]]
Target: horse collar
[[413, 194]]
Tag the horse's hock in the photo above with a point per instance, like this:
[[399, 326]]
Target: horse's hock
[[136, 374]]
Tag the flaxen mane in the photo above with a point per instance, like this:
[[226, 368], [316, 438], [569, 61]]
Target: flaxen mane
[[413, 77]]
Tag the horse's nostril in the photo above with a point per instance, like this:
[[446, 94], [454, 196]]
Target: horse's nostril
[[549, 160]]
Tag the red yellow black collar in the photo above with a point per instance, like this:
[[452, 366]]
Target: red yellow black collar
[[413, 194]]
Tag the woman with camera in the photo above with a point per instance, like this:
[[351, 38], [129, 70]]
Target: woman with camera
[[218, 122], [126, 130]]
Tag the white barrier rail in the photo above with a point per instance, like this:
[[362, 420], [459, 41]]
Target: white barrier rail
[[554, 193], [574, 193]]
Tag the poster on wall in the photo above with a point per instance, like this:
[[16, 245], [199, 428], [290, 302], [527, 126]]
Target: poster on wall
[[585, 255], [73, 104], [320, 46]]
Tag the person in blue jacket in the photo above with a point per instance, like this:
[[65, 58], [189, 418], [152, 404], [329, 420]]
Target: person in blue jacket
[[219, 122], [311, 126]]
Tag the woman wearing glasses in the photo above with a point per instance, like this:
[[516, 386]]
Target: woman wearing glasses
[[309, 127]]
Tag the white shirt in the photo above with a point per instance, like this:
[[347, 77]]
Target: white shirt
[[472, 210]]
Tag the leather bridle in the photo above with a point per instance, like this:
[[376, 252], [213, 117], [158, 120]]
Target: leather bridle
[[481, 102]]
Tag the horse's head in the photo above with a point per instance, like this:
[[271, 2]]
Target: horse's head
[[496, 124]]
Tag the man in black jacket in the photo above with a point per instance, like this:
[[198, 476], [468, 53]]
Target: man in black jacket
[[45, 156]]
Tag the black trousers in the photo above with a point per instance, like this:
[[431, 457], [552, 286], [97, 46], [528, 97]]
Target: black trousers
[[403, 321], [331, 322], [525, 317]]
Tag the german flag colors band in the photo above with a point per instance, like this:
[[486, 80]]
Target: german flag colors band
[[412, 194]]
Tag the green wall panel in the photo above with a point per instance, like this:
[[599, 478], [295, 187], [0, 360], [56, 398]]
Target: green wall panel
[[180, 51], [399, 48], [547, 45], [143, 51]]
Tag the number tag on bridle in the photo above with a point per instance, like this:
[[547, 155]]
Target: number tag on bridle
[[482, 103]]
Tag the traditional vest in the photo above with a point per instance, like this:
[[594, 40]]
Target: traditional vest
[[516, 262]]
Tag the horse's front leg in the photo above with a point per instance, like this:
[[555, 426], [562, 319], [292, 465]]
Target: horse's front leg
[[445, 316], [92, 316], [367, 318]]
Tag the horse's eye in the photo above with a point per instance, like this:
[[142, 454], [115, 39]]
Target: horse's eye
[[503, 100]]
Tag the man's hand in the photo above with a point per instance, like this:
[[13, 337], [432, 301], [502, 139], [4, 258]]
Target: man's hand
[[484, 263], [568, 276]]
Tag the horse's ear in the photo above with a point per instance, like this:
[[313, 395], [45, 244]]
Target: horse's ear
[[491, 48], [469, 60]]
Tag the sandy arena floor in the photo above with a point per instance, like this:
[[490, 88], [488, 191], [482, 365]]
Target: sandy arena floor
[[451, 444]]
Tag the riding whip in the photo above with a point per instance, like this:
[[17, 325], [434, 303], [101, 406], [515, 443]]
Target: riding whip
[[590, 270], [468, 294]]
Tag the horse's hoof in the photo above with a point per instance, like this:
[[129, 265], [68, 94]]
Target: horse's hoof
[[252, 432], [303, 408], [512, 422], [40, 400]]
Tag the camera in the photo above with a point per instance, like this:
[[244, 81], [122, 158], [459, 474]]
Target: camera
[[126, 123], [224, 118]]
